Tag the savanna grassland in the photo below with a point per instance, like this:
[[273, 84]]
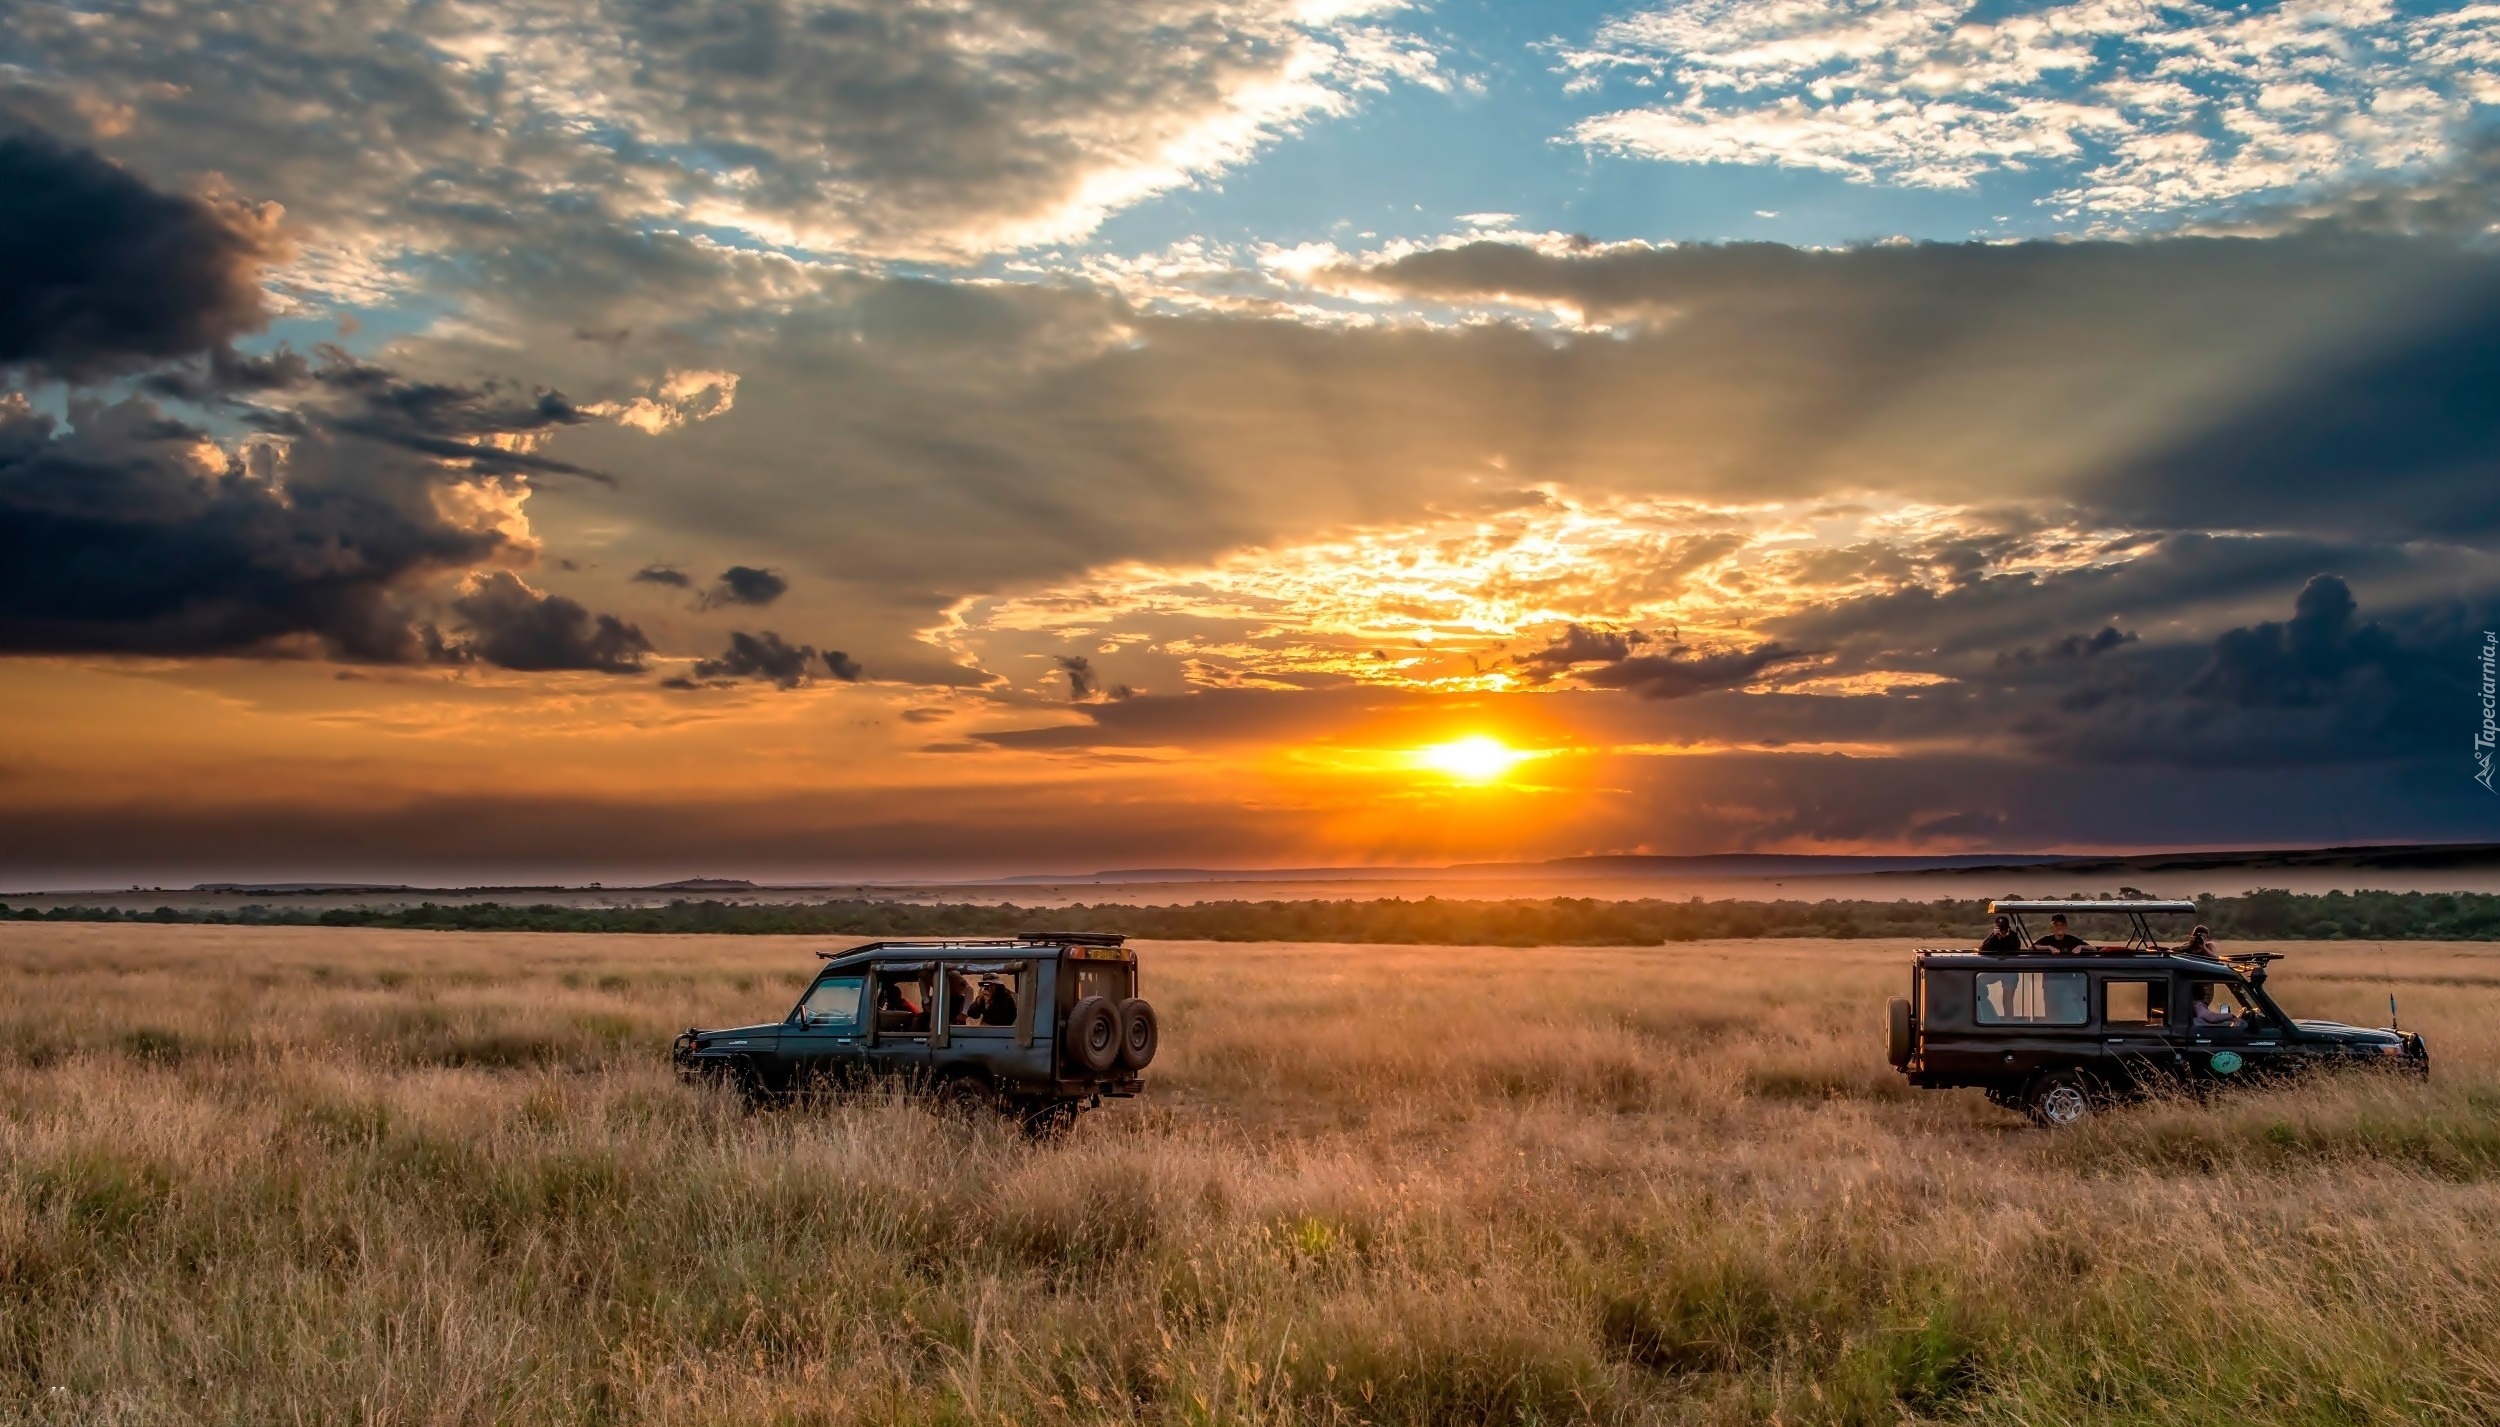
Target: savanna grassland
[[282, 1174]]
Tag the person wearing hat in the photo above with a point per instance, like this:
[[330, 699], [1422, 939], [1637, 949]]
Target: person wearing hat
[[2003, 939], [2200, 942]]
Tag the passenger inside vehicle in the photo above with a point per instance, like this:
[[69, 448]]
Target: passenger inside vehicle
[[2060, 939], [2004, 938], [992, 1004], [2200, 942], [899, 1005]]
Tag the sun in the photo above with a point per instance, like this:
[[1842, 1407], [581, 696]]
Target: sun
[[1477, 758]]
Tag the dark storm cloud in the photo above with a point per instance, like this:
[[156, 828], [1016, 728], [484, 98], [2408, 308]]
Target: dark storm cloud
[[1579, 644], [1082, 680], [746, 585], [2073, 646], [2325, 686], [1677, 674], [114, 538], [101, 273], [129, 532], [512, 625], [769, 658], [662, 575], [2346, 353], [2399, 436]]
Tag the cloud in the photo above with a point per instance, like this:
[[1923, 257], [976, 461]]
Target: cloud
[[857, 126], [1579, 644], [746, 585], [1082, 680], [101, 273], [2073, 646], [132, 532], [662, 575], [2137, 110], [1679, 675], [769, 658], [517, 627]]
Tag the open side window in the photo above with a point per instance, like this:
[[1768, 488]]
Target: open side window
[[2034, 998], [2135, 1002], [988, 995], [901, 999]]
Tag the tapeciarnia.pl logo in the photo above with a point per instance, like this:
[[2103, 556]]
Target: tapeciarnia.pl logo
[[2485, 736]]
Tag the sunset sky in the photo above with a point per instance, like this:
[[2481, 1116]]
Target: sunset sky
[[613, 439]]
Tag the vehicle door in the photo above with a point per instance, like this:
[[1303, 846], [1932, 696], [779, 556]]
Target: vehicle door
[[2136, 1034], [822, 1047], [2228, 1037], [901, 999], [2035, 1019], [984, 1022]]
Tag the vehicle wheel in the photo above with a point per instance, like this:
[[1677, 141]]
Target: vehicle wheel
[[1092, 1036], [1139, 1034], [1046, 1121], [2059, 1099], [742, 1079], [1897, 1031], [964, 1097]]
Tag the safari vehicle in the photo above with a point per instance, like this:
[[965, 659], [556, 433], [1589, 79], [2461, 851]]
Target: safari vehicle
[[1039, 1026], [2058, 1034]]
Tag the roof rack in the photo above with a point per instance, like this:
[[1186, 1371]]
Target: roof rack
[[946, 943], [2140, 937], [2088, 904]]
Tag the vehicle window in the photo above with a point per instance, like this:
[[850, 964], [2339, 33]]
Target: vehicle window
[[987, 995], [2134, 1003], [1109, 980], [903, 1001], [2217, 1003], [833, 1004], [2034, 998]]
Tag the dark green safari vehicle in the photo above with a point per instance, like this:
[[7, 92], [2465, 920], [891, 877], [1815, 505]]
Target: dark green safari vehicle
[[1039, 1026], [2058, 1031]]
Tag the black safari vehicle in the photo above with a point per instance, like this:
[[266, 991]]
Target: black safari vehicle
[[1039, 1026], [2057, 1032]]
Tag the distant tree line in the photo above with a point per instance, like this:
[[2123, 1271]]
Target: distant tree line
[[1555, 921]]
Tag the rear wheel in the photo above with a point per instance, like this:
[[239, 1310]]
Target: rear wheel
[[965, 1097], [1047, 1121], [1092, 1036], [1897, 1031], [2059, 1099], [1139, 1035]]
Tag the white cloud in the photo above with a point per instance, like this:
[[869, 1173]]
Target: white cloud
[[2143, 107], [394, 130]]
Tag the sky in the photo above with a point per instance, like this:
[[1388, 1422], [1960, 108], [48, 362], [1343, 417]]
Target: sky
[[509, 440]]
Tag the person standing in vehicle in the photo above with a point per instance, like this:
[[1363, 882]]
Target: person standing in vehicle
[[2059, 939], [2200, 942], [2004, 938]]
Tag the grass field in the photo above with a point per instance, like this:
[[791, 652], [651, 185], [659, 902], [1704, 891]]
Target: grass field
[[330, 1175]]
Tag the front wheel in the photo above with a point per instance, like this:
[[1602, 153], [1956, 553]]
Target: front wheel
[[2059, 1099]]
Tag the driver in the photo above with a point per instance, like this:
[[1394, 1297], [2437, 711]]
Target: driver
[[2209, 1014]]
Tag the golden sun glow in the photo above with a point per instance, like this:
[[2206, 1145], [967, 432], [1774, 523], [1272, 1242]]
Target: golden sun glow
[[1477, 758]]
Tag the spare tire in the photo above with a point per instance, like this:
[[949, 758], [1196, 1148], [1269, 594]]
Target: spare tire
[[1138, 1034], [1091, 1037], [1897, 1032]]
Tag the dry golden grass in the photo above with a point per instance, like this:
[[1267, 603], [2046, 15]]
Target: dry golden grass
[[323, 1175]]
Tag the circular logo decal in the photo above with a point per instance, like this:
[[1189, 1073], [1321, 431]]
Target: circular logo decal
[[2225, 1062]]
